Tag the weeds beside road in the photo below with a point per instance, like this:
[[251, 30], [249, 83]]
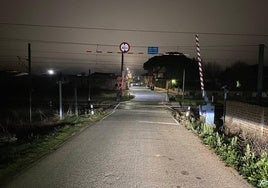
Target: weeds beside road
[[236, 151], [22, 144], [244, 152], [16, 156]]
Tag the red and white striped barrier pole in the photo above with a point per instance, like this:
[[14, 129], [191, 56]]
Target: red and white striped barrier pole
[[200, 65]]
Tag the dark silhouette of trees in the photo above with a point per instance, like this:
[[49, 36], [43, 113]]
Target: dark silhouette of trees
[[244, 74], [212, 72], [239, 76], [172, 67], [171, 63]]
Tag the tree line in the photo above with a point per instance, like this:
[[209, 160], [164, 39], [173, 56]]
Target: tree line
[[238, 76]]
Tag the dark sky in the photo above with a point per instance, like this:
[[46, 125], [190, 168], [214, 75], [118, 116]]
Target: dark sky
[[61, 32]]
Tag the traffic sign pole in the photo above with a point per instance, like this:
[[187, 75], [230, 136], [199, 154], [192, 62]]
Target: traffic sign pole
[[122, 64], [124, 48]]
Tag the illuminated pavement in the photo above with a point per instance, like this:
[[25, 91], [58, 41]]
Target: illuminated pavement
[[146, 95], [138, 145]]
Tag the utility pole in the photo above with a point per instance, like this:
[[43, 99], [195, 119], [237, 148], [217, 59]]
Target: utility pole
[[89, 85], [260, 72], [183, 83], [75, 98], [30, 82], [60, 96]]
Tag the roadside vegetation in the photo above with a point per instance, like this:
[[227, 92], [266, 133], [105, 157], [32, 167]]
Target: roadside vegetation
[[22, 144], [18, 154], [247, 154]]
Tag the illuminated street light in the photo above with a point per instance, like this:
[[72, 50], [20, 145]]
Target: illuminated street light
[[173, 82], [60, 96], [60, 82], [51, 72]]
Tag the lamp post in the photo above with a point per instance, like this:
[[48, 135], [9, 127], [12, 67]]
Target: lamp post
[[60, 96], [52, 72], [75, 100], [225, 92], [183, 83], [30, 81]]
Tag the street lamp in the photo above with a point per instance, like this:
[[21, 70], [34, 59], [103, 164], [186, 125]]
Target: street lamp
[[52, 72], [60, 96], [225, 92]]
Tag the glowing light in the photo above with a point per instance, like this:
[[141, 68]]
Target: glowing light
[[51, 72], [174, 82], [238, 84]]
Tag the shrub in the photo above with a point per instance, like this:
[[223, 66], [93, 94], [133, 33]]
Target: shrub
[[262, 170], [231, 154], [259, 172], [253, 168], [248, 162]]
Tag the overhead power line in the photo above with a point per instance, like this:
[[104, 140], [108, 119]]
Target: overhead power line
[[136, 30], [111, 53], [116, 45], [55, 42]]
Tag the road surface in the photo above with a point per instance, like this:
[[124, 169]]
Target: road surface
[[138, 145]]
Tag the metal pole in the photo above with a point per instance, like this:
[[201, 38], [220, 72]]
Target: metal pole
[[204, 95], [224, 105], [200, 66], [260, 72], [183, 83], [122, 64], [30, 82], [60, 97], [89, 84], [122, 75], [75, 100]]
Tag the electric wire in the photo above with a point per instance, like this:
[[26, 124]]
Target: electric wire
[[135, 30]]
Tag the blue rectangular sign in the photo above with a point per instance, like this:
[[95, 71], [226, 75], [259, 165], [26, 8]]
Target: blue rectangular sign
[[152, 50]]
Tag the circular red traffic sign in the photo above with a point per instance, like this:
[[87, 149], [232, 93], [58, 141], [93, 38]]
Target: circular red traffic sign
[[124, 47]]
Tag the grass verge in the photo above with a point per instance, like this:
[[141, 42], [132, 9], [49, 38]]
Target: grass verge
[[19, 155]]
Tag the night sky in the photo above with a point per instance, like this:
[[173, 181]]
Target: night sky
[[74, 36]]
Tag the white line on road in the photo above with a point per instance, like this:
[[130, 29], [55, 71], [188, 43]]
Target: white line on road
[[147, 111], [107, 115], [111, 112], [116, 106], [176, 120], [156, 122]]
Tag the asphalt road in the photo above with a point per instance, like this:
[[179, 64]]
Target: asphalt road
[[138, 145]]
